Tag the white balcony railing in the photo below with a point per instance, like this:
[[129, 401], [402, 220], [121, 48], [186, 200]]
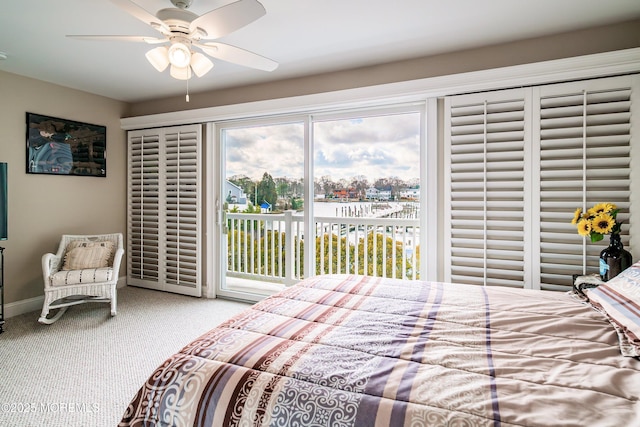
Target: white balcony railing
[[270, 247]]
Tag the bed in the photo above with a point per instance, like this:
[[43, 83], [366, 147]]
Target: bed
[[346, 350]]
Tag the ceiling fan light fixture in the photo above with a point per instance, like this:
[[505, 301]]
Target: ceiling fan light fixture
[[158, 57], [179, 55], [180, 73], [200, 64], [183, 30]]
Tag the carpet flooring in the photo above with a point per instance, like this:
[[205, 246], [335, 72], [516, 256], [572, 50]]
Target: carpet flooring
[[84, 369]]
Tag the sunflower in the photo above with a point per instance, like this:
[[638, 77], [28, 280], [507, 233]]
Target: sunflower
[[603, 223], [597, 221], [576, 216], [584, 227], [601, 208]]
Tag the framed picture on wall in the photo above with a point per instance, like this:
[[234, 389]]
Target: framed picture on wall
[[65, 147]]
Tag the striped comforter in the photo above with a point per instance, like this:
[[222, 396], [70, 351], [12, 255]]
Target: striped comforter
[[344, 350]]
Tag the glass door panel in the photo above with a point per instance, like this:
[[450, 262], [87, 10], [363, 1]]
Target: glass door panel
[[263, 203], [367, 194]]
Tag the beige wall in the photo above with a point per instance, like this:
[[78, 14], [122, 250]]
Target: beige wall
[[42, 207], [607, 38]]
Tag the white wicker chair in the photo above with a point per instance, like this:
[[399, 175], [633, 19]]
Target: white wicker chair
[[64, 288]]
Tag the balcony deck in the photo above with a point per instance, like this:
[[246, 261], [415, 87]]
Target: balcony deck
[[265, 252]]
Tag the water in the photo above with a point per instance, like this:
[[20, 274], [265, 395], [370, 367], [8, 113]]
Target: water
[[365, 209]]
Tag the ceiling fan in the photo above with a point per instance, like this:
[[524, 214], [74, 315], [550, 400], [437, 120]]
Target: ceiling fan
[[182, 30]]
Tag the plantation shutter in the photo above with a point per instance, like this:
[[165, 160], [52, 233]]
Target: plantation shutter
[[164, 243], [585, 142], [519, 163], [144, 207], [487, 189]]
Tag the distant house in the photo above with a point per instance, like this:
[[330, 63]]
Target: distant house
[[341, 194], [265, 207], [234, 194], [384, 195], [410, 194], [373, 193], [350, 193]]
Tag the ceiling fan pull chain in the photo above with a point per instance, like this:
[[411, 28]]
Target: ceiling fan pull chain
[[188, 78]]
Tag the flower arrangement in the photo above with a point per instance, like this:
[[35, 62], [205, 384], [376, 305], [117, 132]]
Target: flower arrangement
[[597, 221]]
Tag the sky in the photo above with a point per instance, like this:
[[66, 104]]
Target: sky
[[376, 147]]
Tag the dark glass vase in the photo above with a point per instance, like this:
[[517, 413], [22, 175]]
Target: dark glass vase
[[614, 259]]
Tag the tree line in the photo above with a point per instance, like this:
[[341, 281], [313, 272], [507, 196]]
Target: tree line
[[270, 190]]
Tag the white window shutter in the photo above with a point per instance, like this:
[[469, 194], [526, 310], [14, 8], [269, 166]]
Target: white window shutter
[[584, 143], [165, 209], [487, 188], [143, 207], [519, 163]]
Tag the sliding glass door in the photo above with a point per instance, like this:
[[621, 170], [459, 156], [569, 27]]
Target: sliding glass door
[[322, 193]]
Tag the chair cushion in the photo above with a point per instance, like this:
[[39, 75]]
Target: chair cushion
[[84, 276], [84, 254]]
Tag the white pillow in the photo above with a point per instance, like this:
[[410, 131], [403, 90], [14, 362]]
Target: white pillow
[[619, 299], [85, 254]]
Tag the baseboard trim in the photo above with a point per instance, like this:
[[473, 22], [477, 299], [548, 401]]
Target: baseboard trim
[[17, 308]]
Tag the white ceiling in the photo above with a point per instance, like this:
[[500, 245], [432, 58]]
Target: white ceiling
[[304, 36]]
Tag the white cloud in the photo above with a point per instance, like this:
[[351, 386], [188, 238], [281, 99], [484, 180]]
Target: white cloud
[[380, 146]]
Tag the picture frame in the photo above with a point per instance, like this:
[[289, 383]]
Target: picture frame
[[58, 146]]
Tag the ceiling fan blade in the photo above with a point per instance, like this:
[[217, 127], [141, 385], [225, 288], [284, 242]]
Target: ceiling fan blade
[[226, 19], [141, 14], [238, 56], [145, 39]]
